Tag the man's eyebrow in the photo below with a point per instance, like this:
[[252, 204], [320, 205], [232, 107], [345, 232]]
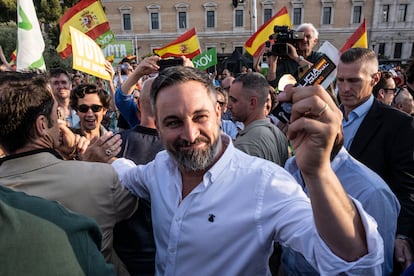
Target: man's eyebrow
[[196, 112]]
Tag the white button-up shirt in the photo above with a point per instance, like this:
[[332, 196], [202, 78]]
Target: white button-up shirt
[[227, 224]]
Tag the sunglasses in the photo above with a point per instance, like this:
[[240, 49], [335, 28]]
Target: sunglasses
[[394, 90], [85, 108]]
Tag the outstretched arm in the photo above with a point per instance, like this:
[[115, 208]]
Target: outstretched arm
[[145, 67], [315, 124]]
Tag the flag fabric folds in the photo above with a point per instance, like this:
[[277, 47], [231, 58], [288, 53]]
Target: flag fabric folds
[[185, 45], [358, 39], [89, 17], [30, 43], [256, 42], [206, 59]]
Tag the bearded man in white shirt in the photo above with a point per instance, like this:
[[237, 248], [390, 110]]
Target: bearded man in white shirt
[[217, 210]]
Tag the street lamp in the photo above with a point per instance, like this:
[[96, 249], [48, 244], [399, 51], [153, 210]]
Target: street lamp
[[223, 46]]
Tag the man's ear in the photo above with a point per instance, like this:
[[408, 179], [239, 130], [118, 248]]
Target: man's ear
[[381, 94], [41, 126], [253, 102], [375, 78]]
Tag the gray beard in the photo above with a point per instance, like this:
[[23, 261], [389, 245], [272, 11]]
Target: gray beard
[[196, 160]]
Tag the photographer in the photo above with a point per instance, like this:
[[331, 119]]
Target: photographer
[[299, 56]]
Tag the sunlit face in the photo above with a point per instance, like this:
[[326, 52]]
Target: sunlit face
[[308, 42], [188, 121], [53, 136], [222, 102], [388, 91], [406, 103], [90, 120], [355, 83], [238, 102], [61, 86]]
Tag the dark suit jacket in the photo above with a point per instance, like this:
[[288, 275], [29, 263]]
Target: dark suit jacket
[[385, 143]]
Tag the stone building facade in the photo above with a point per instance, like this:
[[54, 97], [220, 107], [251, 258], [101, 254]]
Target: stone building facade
[[151, 24]]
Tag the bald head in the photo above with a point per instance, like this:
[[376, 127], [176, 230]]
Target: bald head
[[226, 82]]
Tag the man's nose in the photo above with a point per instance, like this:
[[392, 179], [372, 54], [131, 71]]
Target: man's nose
[[190, 131]]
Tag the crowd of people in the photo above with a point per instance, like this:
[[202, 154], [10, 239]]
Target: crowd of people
[[177, 172]]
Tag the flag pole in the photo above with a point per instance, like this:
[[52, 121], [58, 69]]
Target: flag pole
[[253, 9]]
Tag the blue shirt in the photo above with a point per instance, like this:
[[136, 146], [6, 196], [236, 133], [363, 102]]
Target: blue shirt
[[73, 119], [355, 118], [127, 107], [229, 128], [368, 188]]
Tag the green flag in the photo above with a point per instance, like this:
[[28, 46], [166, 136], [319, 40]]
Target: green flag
[[30, 43], [206, 59]]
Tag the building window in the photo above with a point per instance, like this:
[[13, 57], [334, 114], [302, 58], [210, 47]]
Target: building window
[[154, 17], [239, 18], [155, 21], [267, 14], [412, 50], [210, 9], [239, 49], [182, 20], [397, 50], [211, 19], [126, 20], [402, 13], [381, 49], [297, 16], [385, 13], [326, 16], [356, 14]]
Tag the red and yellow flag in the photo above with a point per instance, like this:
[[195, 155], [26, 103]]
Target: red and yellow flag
[[87, 16], [255, 43], [358, 39], [185, 45]]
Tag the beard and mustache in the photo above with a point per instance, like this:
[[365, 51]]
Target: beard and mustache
[[195, 159]]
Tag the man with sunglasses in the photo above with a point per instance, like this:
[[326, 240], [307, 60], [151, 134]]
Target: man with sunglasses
[[385, 90], [380, 137], [91, 104]]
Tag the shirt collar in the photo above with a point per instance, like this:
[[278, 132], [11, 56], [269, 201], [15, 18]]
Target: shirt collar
[[256, 123], [362, 109], [31, 152]]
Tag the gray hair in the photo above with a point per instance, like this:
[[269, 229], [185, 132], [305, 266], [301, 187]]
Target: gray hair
[[308, 26]]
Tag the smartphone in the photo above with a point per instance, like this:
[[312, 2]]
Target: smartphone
[[169, 62], [314, 75]]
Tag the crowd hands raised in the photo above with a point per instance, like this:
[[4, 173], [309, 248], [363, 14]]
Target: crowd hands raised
[[326, 213]]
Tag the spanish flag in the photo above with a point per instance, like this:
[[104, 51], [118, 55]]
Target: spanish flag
[[185, 45], [255, 43], [358, 39], [87, 16]]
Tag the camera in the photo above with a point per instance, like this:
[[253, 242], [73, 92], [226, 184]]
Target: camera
[[169, 62], [319, 71], [283, 35]]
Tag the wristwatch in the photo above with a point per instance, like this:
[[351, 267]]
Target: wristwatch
[[300, 58]]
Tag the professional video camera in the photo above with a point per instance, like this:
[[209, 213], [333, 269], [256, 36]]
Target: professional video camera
[[283, 35]]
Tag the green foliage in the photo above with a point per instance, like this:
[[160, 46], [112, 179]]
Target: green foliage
[[8, 38], [50, 11], [8, 10], [52, 58]]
